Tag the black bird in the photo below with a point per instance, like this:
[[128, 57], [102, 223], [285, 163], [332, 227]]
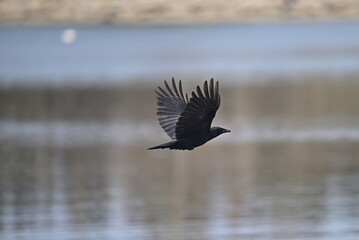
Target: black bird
[[188, 122]]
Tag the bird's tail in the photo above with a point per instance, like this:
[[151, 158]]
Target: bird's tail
[[164, 145]]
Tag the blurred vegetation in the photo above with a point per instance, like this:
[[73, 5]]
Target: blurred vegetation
[[300, 103]]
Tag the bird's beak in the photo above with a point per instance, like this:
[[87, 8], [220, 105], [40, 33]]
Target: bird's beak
[[227, 130]]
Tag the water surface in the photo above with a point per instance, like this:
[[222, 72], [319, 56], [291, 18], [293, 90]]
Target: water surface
[[75, 122], [74, 165], [108, 55]]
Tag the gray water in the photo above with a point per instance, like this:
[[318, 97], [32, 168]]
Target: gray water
[[73, 140]]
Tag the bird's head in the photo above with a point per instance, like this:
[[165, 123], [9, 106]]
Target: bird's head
[[216, 131]]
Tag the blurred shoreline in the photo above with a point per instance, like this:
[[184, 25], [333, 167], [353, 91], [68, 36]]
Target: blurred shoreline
[[162, 12]]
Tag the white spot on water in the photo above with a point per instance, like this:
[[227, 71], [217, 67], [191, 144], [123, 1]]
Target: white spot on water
[[68, 36]]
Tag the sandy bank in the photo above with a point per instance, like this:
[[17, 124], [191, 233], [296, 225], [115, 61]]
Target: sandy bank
[[171, 12]]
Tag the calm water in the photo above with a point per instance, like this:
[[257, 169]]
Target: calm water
[[74, 163], [107, 55]]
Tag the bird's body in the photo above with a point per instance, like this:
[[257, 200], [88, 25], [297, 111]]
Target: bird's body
[[188, 122], [191, 142], [186, 143]]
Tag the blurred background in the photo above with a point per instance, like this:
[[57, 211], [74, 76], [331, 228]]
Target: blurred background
[[78, 110]]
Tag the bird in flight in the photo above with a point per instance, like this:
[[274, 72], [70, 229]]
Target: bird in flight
[[188, 122]]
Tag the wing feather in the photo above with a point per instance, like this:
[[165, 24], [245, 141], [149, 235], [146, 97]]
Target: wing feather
[[180, 90], [169, 89], [199, 92], [211, 89], [199, 112], [216, 91], [205, 88], [170, 105], [163, 92], [181, 117]]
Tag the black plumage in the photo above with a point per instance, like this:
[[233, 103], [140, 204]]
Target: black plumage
[[188, 122]]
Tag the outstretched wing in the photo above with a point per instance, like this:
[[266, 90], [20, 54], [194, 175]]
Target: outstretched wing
[[170, 106], [199, 112]]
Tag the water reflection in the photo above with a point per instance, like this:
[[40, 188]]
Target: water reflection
[[275, 191], [74, 166]]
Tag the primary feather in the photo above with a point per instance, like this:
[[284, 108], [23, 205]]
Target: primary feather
[[170, 107]]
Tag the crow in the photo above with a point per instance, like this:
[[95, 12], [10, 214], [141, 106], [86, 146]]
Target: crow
[[188, 122]]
